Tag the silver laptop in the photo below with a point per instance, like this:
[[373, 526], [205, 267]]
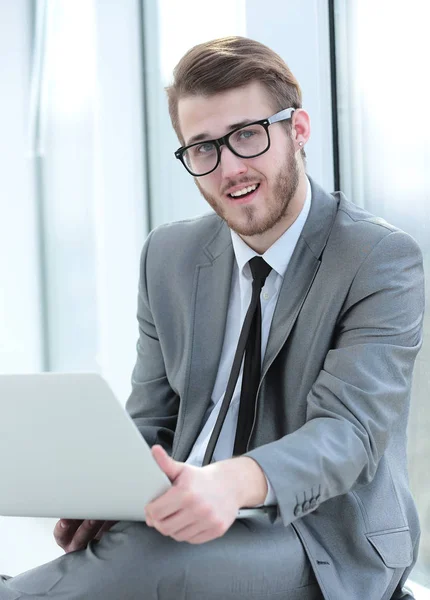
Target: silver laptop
[[68, 449]]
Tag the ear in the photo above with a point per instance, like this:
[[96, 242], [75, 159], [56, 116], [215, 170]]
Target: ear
[[301, 128]]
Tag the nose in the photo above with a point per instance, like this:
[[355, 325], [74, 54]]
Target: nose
[[231, 165]]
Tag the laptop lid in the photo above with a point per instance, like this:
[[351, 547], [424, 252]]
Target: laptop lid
[[68, 449]]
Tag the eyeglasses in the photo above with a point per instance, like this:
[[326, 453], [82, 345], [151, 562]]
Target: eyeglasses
[[249, 141]]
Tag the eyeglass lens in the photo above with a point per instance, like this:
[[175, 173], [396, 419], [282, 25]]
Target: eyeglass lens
[[249, 141]]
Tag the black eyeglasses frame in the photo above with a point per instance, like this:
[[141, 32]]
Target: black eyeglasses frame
[[282, 115]]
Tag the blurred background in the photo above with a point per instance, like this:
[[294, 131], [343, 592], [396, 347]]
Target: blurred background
[[87, 170]]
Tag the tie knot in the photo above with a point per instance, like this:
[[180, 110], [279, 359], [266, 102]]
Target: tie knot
[[259, 269]]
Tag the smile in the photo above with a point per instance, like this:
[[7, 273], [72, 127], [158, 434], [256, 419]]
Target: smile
[[246, 191]]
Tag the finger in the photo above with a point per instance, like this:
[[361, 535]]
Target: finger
[[84, 534], [171, 467], [189, 532], [178, 522], [166, 505], [64, 531]]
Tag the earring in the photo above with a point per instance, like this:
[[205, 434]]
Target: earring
[[300, 144]]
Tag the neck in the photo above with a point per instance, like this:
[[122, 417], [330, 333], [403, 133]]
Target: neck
[[261, 242]]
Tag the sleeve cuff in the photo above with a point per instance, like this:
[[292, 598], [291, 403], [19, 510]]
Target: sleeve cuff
[[271, 497]]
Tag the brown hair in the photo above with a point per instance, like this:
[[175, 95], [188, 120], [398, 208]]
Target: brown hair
[[227, 63]]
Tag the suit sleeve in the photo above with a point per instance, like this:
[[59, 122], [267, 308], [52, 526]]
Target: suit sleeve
[[363, 387], [153, 405]]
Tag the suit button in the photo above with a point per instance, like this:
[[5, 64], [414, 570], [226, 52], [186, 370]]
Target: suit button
[[298, 510], [314, 503], [306, 506]]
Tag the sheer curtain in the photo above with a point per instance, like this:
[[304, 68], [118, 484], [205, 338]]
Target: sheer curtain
[[64, 148], [382, 51], [87, 139]]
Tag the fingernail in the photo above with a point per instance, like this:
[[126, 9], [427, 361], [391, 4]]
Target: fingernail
[[92, 523], [63, 525]]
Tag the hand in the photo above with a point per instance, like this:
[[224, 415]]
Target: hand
[[200, 506], [75, 534]]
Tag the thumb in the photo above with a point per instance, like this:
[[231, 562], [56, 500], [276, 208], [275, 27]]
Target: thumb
[[171, 467]]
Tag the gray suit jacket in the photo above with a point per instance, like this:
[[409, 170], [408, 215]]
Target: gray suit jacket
[[330, 424]]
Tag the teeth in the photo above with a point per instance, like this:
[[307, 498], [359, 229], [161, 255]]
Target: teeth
[[246, 190]]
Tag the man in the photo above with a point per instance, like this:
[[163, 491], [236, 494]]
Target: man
[[335, 320]]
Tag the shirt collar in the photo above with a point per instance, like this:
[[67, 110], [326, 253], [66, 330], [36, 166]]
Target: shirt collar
[[279, 254]]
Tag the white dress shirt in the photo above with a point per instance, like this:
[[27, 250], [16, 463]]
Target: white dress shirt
[[278, 257]]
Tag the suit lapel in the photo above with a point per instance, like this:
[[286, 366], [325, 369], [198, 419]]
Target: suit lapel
[[212, 280], [301, 271]]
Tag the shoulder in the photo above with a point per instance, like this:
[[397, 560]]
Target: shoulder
[[180, 244], [350, 213], [343, 235], [358, 233], [187, 232]]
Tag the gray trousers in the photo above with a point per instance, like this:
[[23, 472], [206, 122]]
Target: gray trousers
[[253, 560]]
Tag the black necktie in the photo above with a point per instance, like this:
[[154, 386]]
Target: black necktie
[[250, 344]]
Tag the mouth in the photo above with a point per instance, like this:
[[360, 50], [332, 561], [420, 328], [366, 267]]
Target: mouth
[[244, 195]]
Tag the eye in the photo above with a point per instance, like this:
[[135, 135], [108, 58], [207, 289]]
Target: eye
[[205, 148], [245, 134]]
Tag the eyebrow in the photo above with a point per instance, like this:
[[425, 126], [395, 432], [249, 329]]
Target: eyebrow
[[206, 136]]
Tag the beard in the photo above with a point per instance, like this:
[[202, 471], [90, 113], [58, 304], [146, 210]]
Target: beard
[[250, 222]]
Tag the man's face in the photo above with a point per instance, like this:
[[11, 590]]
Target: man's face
[[276, 172]]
